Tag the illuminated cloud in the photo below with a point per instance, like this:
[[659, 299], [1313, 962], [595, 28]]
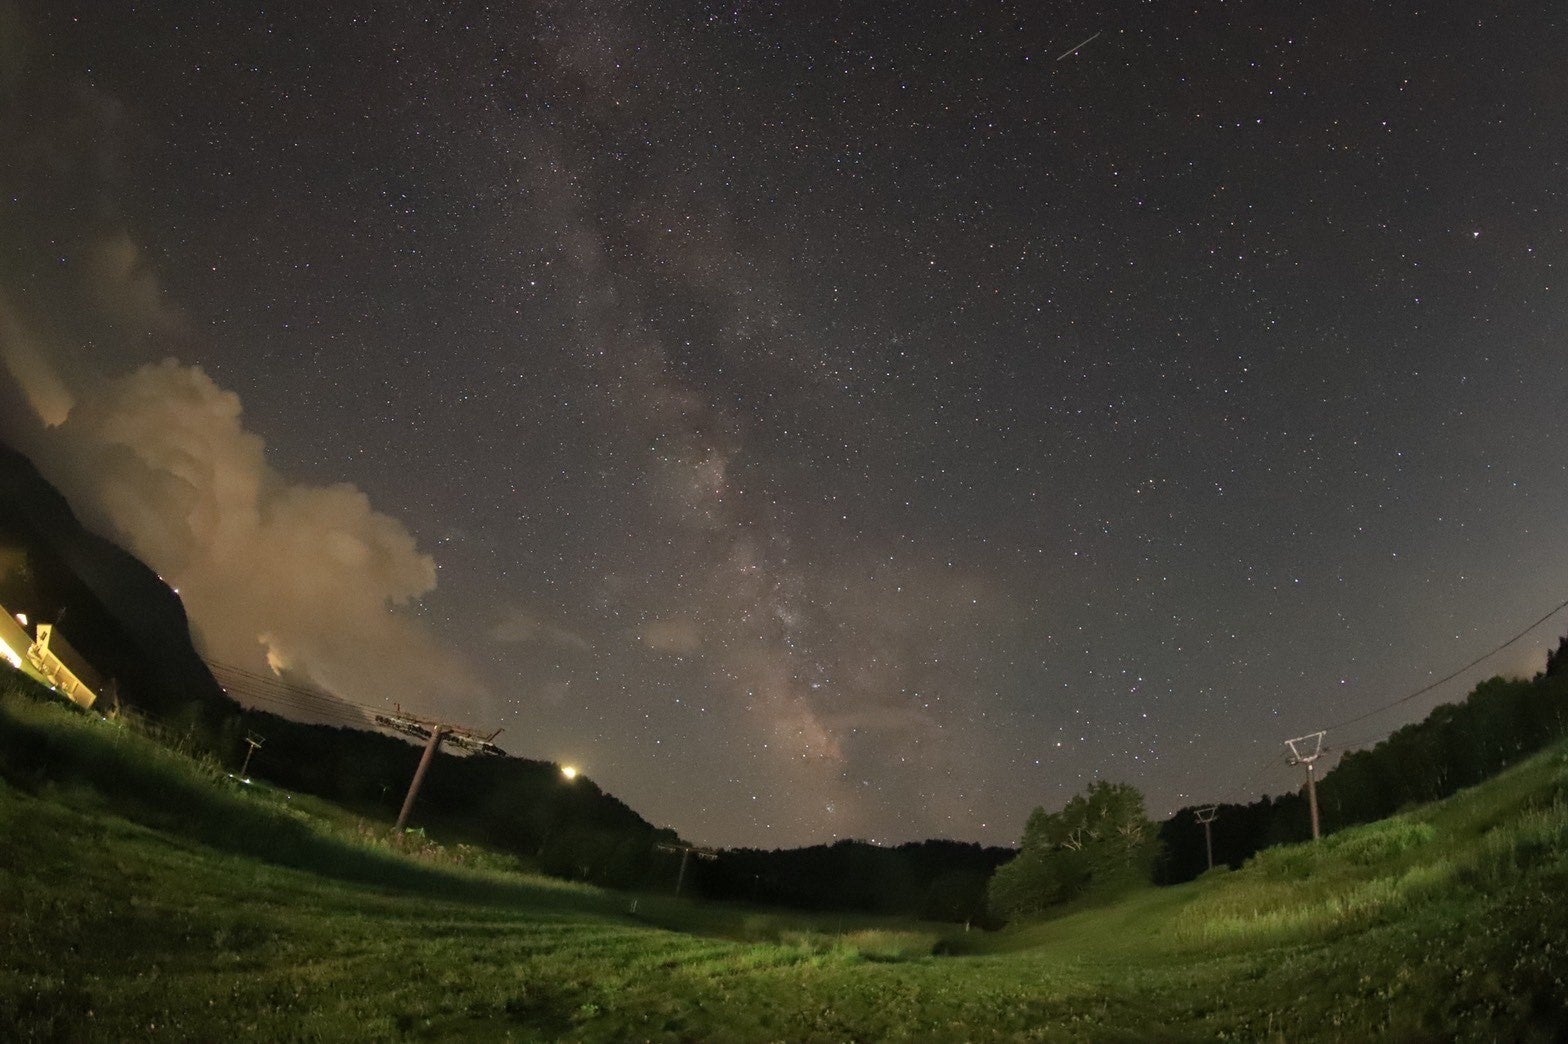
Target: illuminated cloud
[[308, 579], [678, 636], [29, 365], [519, 627], [125, 287]]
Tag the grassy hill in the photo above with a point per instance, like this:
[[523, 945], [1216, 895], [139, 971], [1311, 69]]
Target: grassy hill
[[143, 894]]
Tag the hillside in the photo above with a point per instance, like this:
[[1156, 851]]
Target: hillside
[[1459, 744], [148, 895], [122, 617]]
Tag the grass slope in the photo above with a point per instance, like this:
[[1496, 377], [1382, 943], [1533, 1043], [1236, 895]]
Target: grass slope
[[143, 895]]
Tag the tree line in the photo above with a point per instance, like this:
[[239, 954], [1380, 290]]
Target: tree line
[[1458, 745], [1102, 840], [937, 880]]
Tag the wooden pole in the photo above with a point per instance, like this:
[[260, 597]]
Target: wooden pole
[[680, 878], [253, 743], [1312, 800], [419, 775], [685, 851], [1206, 817]]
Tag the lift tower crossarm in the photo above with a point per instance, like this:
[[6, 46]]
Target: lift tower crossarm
[[434, 733], [1304, 750]]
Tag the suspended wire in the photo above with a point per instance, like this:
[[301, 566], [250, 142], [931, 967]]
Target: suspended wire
[[261, 688], [1450, 677], [1365, 741], [275, 683], [1277, 761], [291, 700], [314, 710], [268, 692], [1273, 760], [287, 701], [252, 683], [257, 698]]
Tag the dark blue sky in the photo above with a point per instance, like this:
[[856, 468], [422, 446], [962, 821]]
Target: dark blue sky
[[835, 423]]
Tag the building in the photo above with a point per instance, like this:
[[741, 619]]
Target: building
[[48, 658]]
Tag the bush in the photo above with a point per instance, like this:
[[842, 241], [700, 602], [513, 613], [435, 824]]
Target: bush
[[1380, 842], [1037, 880]]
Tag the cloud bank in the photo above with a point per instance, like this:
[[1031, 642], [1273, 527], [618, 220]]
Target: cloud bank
[[310, 580]]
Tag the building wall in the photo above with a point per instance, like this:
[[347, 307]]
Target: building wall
[[52, 667]]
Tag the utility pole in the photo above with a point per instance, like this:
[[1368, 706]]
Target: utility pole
[[434, 744], [1304, 750], [254, 741], [434, 733], [1206, 817], [686, 852]]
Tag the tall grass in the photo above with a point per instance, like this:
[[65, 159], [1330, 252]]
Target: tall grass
[[1506, 853], [1480, 839]]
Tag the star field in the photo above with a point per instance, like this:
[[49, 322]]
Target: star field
[[836, 423]]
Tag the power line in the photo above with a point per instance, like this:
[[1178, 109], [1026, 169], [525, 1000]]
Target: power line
[[259, 694], [255, 694], [295, 710], [1450, 677], [1272, 761], [1380, 735], [251, 681], [302, 699], [1362, 742], [277, 690]]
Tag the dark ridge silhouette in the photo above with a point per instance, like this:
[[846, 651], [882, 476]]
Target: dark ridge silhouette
[[114, 610]]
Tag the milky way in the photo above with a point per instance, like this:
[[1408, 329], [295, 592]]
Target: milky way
[[813, 422]]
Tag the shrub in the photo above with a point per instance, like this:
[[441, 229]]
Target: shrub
[[1379, 842]]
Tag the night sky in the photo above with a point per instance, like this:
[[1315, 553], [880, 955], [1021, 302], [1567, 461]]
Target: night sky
[[814, 420]]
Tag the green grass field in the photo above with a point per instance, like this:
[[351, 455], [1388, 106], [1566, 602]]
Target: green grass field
[[143, 894]]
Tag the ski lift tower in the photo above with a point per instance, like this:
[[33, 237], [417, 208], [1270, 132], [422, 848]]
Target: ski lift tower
[[434, 733], [1304, 750]]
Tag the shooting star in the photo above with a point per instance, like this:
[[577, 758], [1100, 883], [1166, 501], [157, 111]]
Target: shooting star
[[1075, 50]]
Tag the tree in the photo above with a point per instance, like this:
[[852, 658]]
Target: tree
[[1036, 880], [1102, 839], [1557, 659]]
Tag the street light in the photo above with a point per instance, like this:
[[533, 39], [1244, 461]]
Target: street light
[[569, 771]]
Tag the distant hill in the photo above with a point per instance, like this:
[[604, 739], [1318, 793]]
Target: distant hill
[[934, 880]]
